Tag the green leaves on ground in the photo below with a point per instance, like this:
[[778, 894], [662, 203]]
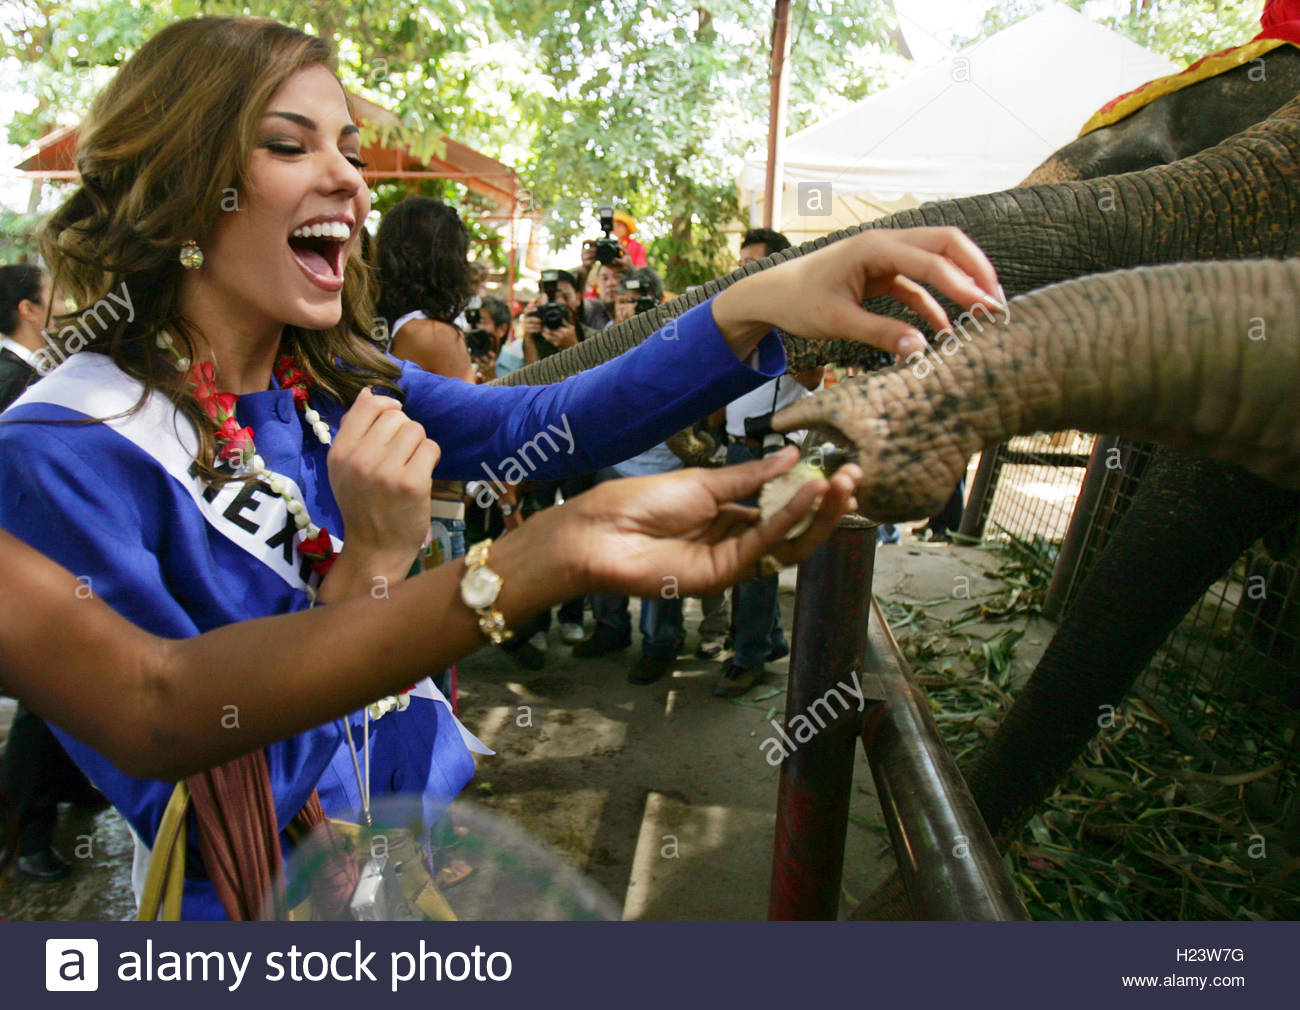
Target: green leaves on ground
[[1138, 829]]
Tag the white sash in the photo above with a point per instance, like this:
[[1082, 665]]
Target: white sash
[[92, 385]]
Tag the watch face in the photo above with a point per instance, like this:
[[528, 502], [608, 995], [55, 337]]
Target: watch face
[[479, 587]]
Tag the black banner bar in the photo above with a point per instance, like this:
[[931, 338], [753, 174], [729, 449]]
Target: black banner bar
[[633, 965]]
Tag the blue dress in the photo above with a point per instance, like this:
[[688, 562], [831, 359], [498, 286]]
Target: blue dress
[[121, 513]]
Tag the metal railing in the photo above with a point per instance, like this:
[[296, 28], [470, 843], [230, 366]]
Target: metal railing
[[949, 864]]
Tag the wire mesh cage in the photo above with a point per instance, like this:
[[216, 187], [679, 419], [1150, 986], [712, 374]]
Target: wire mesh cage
[[1118, 466], [1224, 686], [1227, 680], [1026, 491]]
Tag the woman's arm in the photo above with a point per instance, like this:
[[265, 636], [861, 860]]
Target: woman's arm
[[164, 708], [590, 420], [819, 296], [695, 363]]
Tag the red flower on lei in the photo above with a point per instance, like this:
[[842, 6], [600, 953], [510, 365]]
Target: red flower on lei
[[292, 377], [320, 549], [235, 442]]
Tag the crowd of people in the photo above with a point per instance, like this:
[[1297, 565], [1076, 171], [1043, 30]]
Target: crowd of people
[[426, 283], [193, 465]]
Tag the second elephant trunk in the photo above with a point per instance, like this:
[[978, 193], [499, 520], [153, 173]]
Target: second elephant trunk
[[1202, 356]]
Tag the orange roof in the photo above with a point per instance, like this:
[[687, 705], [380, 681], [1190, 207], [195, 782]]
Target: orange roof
[[53, 157]]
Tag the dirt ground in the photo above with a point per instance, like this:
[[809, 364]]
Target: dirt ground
[[661, 795]]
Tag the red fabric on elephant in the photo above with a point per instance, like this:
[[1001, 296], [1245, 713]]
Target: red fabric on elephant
[[1281, 20], [1277, 13]]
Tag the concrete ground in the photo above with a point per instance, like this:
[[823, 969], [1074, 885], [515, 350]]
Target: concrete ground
[[661, 795]]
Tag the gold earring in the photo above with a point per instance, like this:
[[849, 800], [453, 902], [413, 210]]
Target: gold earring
[[191, 255]]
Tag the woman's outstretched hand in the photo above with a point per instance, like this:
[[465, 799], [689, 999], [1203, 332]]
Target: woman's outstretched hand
[[819, 295], [684, 533]]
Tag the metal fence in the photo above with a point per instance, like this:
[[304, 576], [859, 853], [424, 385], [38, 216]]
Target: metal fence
[[1026, 489]]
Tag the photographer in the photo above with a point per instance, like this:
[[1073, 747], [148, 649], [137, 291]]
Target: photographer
[[559, 317], [618, 249], [556, 320], [487, 333], [607, 281], [613, 251], [638, 291]]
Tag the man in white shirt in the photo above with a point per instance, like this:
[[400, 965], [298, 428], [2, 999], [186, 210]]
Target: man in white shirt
[[24, 295]]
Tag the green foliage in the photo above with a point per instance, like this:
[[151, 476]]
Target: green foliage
[[18, 237], [1139, 828], [66, 52], [1183, 30], [656, 105], [653, 105]]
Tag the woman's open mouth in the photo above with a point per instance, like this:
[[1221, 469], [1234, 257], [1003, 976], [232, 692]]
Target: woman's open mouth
[[318, 248]]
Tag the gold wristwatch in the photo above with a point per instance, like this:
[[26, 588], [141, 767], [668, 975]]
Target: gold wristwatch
[[479, 588]]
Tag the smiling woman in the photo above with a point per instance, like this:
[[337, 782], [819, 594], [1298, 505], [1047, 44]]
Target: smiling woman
[[179, 149], [198, 464]]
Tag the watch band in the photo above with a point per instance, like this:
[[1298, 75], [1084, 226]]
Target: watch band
[[479, 588]]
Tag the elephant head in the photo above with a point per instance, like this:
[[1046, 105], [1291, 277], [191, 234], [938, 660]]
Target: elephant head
[[1180, 124]]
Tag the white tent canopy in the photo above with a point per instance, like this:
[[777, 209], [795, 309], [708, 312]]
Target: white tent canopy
[[978, 122]]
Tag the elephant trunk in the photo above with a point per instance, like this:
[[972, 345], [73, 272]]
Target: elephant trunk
[[1234, 201], [1202, 356]]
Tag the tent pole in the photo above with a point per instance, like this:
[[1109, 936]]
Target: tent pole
[[780, 89]]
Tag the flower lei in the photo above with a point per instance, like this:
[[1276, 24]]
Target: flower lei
[[236, 448]]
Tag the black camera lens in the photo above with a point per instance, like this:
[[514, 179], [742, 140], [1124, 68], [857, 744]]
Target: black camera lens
[[480, 343], [608, 250], [554, 315]]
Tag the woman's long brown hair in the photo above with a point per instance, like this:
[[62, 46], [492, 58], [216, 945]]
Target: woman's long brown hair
[[162, 156]]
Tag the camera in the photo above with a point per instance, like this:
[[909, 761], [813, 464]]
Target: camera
[[479, 340], [645, 301], [553, 312], [608, 249]]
